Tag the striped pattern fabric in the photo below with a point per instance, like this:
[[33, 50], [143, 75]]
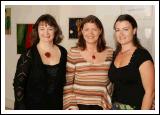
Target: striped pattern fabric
[[87, 83]]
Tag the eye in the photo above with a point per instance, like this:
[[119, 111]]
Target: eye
[[85, 29], [116, 30], [51, 29], [41, 28], [95, 29], [125, 29]]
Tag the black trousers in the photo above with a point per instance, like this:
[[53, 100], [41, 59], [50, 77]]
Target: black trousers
[[89, 107]]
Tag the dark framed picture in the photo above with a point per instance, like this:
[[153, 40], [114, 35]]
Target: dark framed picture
[[74, 25], [7, 20], [23, 37]]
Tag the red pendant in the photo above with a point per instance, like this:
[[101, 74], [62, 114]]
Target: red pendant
[[93, 57], [47, 54]]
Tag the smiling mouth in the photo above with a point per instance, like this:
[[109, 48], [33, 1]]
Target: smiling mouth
[[91, 37], [122, 38], [47, 37]]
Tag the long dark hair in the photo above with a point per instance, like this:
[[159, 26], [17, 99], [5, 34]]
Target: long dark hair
[[101, 45], [132, 21], [50, 20]]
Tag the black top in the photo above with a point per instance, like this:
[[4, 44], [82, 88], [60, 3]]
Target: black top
[[31, 87], [128, 88], [52, 74]]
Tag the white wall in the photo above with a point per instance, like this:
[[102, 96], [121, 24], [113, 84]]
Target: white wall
[[62, 13]]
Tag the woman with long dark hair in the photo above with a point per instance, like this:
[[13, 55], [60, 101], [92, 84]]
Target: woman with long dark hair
[[132, 68], [88, 86]]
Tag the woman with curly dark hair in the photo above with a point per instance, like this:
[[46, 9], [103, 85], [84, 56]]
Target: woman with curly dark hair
[[41, 69]]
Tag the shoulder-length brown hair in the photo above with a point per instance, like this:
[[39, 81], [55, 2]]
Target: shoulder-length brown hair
[[50, 20], [101, 44]]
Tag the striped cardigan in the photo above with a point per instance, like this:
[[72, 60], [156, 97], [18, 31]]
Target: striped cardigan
[[87, 83]]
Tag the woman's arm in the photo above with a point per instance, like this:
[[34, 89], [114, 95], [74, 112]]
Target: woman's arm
[[148, 80], [20, 80], [69, 101]]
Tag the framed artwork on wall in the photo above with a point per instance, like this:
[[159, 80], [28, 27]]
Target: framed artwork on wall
[[7, 20], [23, 37], [74, 25]]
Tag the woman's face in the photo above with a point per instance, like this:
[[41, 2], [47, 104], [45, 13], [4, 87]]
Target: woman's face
[[124, 32], [46, 32], [91, 32]]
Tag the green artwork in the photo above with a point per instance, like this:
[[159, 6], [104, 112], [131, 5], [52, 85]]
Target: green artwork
[[23, 37]]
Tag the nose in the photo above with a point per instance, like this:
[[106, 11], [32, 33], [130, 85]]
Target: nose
[[121, 32], [90, 31], [46, 32]]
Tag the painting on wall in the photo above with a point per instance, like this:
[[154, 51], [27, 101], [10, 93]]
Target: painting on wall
[[74, 25], [7, 20], [23, 37]]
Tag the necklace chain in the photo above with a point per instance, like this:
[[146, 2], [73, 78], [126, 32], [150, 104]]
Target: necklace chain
[[93, 56], [125, 51]]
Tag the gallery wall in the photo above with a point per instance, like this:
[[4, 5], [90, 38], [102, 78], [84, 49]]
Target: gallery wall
[[106, 13]]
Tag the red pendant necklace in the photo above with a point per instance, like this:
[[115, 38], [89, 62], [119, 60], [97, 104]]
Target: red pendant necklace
[[93, 56], [47, 54]]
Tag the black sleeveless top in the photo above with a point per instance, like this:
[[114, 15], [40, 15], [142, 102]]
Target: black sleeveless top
[[51, 75], [128, 88]]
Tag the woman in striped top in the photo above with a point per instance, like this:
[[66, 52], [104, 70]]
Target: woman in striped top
[[88, 86]]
